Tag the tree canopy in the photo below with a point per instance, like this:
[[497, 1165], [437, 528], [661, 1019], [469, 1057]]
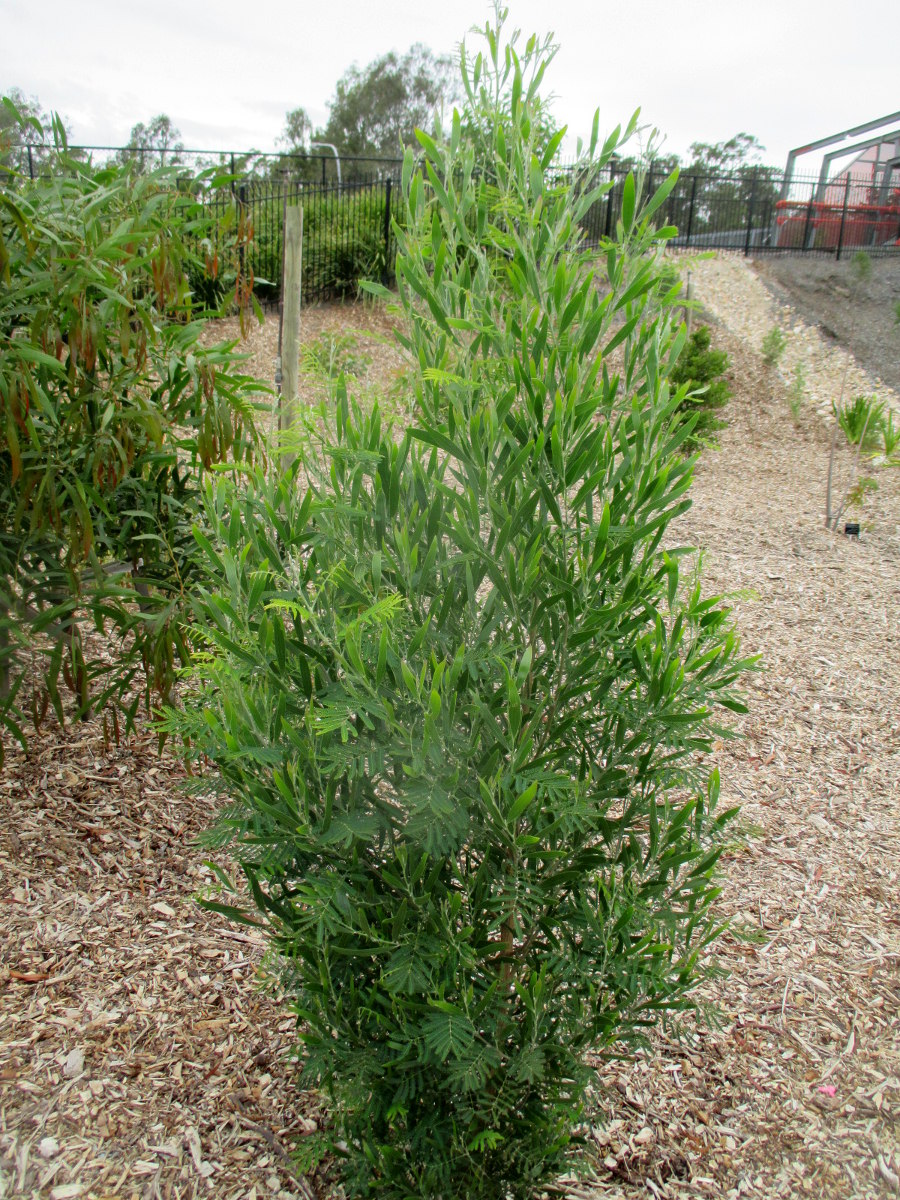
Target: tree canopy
[[376, 109], [23, 123], [742, 150], [298, 128], [156, 144]]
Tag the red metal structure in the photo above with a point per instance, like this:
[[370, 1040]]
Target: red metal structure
[[858, 207]]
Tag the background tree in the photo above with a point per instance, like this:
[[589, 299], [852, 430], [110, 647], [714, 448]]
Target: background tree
[[733, 186], [156, 144], [377, 108], [295, 138], [738, 152], [297, 132], [24, 123]]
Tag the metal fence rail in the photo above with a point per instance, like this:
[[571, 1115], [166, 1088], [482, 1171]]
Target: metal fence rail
[[347, 234]]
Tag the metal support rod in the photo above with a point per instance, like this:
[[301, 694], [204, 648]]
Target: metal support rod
[[750, 214], [242, 193], [843, 217], [387, 231], [691, 210], [609, 201], [809, 212], [290, 363], [337, 158]]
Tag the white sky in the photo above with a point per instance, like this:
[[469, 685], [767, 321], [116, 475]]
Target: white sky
[[788, 71]]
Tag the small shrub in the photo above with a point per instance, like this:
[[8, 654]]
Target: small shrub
[[773, 346], [701, 371], [864, 486], [797, 392], [333, 354], [111, 410], [862, 421], [458, 696], [890, 436]]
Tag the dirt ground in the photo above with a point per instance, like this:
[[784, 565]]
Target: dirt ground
[[142, 1059], [859, 315]]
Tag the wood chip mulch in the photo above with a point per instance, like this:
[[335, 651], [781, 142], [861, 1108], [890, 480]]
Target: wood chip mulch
[[140, 1056]]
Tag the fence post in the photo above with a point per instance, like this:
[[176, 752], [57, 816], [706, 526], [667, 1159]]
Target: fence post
[[809, 211], [290, 338], [607, 233], [323, 171], [843, 214], [30, 164], [750, 215], [691, 209], [387, 230], [242, 206]]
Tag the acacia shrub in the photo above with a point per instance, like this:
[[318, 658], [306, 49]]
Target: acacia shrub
[[701, 369], [111, 409], [458, 695]]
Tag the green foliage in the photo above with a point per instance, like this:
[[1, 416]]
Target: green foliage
[[701, 370], [24, 125], [518, 69], [457, 693], [110, 411], [861, 421], [860, 268], [864, 486], [797, 391], [733, 154], [155, 145], [890, 436], [773, 346], [343, 242], [297, 131], [334, 354], [377, 109]]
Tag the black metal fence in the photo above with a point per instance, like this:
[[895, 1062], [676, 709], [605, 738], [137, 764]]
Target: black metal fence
[[348, 236], [349, 203], [347, 233], [37, 159], [753, 213]]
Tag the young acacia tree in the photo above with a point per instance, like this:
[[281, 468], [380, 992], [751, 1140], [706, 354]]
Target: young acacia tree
[[457, 691]]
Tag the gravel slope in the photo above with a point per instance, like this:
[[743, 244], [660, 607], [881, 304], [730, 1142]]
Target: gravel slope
[[855, 315], [730, 289]]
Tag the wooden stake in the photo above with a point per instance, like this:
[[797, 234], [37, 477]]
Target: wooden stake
[[290, 348]]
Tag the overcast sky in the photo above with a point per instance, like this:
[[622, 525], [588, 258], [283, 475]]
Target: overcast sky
[[788, 71]]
